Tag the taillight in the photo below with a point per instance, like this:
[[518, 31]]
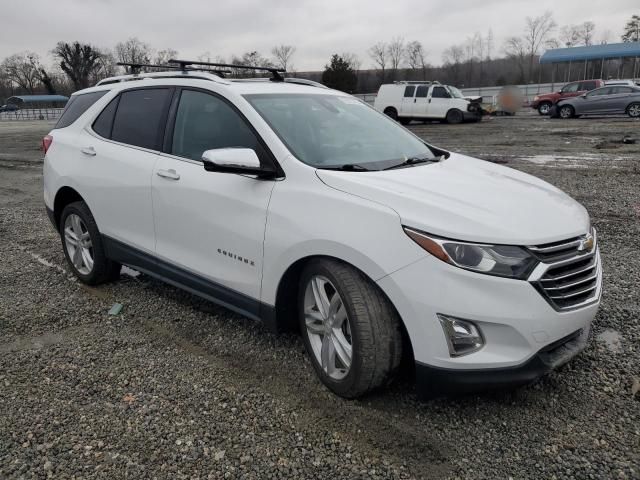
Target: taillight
[[46, 143]]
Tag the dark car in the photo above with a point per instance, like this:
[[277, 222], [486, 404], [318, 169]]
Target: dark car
[[601, 101], [544, 102], [8, 108]]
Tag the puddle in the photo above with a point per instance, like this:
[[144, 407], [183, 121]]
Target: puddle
[[612, 339]]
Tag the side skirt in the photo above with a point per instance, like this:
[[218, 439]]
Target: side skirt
[[191, 282]]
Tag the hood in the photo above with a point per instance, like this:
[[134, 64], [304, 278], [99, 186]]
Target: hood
[[464, 198]]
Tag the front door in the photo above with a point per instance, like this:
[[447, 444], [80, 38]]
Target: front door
[[210, 225], [440, 102]]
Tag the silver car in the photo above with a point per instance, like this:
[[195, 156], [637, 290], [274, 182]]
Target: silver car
[[601, 101]]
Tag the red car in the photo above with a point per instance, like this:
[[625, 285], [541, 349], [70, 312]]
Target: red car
[[543, 103]]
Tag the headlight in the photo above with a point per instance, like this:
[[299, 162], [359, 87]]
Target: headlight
[[536, 98], [499, 260]]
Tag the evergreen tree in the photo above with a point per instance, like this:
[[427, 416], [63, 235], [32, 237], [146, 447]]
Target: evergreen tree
[[340, 75]]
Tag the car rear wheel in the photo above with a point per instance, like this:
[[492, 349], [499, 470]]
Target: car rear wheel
[[633, 110], [83, 248], [544, 108], [566, 111], [391, 112], [454, 116], [350, 330]]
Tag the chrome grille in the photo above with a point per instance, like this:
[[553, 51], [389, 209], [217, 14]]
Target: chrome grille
[[572, 276]]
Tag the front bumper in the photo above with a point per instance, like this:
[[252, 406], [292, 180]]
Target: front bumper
[[433, 381], [518, 324]]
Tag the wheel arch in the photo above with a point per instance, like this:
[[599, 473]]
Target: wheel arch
[[287, 293], [64, 196]]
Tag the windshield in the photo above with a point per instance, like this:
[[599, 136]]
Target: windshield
[[455, 93], [330, 131]]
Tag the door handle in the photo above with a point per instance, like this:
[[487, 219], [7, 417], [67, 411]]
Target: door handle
[[88, 151], [429, 101], [414, 100], [171, 174]]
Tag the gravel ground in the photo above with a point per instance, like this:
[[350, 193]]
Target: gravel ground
[[174, 387]]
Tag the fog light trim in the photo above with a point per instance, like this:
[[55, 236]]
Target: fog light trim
[[463, 336]]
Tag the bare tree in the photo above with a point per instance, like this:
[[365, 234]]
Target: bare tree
[[105, 66], [395, 52], [416, 57], [537, 33], [489, 43], [21, 69], [378, 53], [353, 60], [78, 61], [586, 33], [452, 59], [162, 57], [515, 49], [133, 51], [282, 55], [569, 35]]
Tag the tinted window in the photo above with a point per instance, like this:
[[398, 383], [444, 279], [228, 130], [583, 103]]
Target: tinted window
[[622, 90], [138, 119], [76, 106], [601, 91], [588, 85], [422, 91], [408, 91], [440, 92], [104, 122], [572, 87], [205, 122]]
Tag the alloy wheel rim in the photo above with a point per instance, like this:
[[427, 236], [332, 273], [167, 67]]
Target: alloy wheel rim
[[544, 108], [328, 327], [78, 243], [635, 110], [565, 112]]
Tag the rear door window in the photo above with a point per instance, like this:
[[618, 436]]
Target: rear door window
[[422, 91], [408, 91], [103, 124], [140, 117], [588, 85], [76, 106]]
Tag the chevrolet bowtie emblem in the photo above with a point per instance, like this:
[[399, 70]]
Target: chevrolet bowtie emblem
[[586, 244]]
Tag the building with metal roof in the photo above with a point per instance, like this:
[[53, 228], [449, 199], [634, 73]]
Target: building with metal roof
[[36, 101], [592, 60]]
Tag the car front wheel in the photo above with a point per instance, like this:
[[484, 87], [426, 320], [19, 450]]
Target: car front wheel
[[82, 245], [350, 330]]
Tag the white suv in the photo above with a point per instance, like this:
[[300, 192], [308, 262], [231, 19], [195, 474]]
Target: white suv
[[406, 101], [305, 208]]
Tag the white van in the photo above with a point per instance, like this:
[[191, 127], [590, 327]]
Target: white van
[[406, 101]]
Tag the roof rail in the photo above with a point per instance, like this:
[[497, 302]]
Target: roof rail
[[418, 82], [275, 72], [175, 73], [296, 80]]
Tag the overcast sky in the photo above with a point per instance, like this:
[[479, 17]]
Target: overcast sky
[[317, 28]]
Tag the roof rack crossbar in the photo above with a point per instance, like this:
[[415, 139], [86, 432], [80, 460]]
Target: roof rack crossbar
[[275, 72], [136, 67]]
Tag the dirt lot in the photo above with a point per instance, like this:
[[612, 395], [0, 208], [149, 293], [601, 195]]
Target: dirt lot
[[174, 387]]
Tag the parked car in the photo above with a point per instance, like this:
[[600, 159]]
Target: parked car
[[406, 101], [629, 83], [10, 107], [304, 207], [544, 102], [602, 101]]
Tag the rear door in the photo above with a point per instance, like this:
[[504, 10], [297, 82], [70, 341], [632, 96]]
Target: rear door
[[421, 102], [618, 100], [122, 147], [210, 225], [408, 99]]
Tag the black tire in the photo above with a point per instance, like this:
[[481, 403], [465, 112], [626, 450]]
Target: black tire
[[404, 120], [544, 108], [566, 111], [391, 113], [376, 335], [103, 270], [633, 110], [454, 116]]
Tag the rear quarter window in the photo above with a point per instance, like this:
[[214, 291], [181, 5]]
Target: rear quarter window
[[76, 106]]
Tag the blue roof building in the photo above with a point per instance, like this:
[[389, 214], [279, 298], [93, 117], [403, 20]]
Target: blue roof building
[[37, 100]]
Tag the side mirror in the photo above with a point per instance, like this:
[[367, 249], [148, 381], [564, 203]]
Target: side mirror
[[235, 160], [584, 95]]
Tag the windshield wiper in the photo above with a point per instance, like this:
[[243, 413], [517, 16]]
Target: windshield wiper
[[415, 161], [348, 167]]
